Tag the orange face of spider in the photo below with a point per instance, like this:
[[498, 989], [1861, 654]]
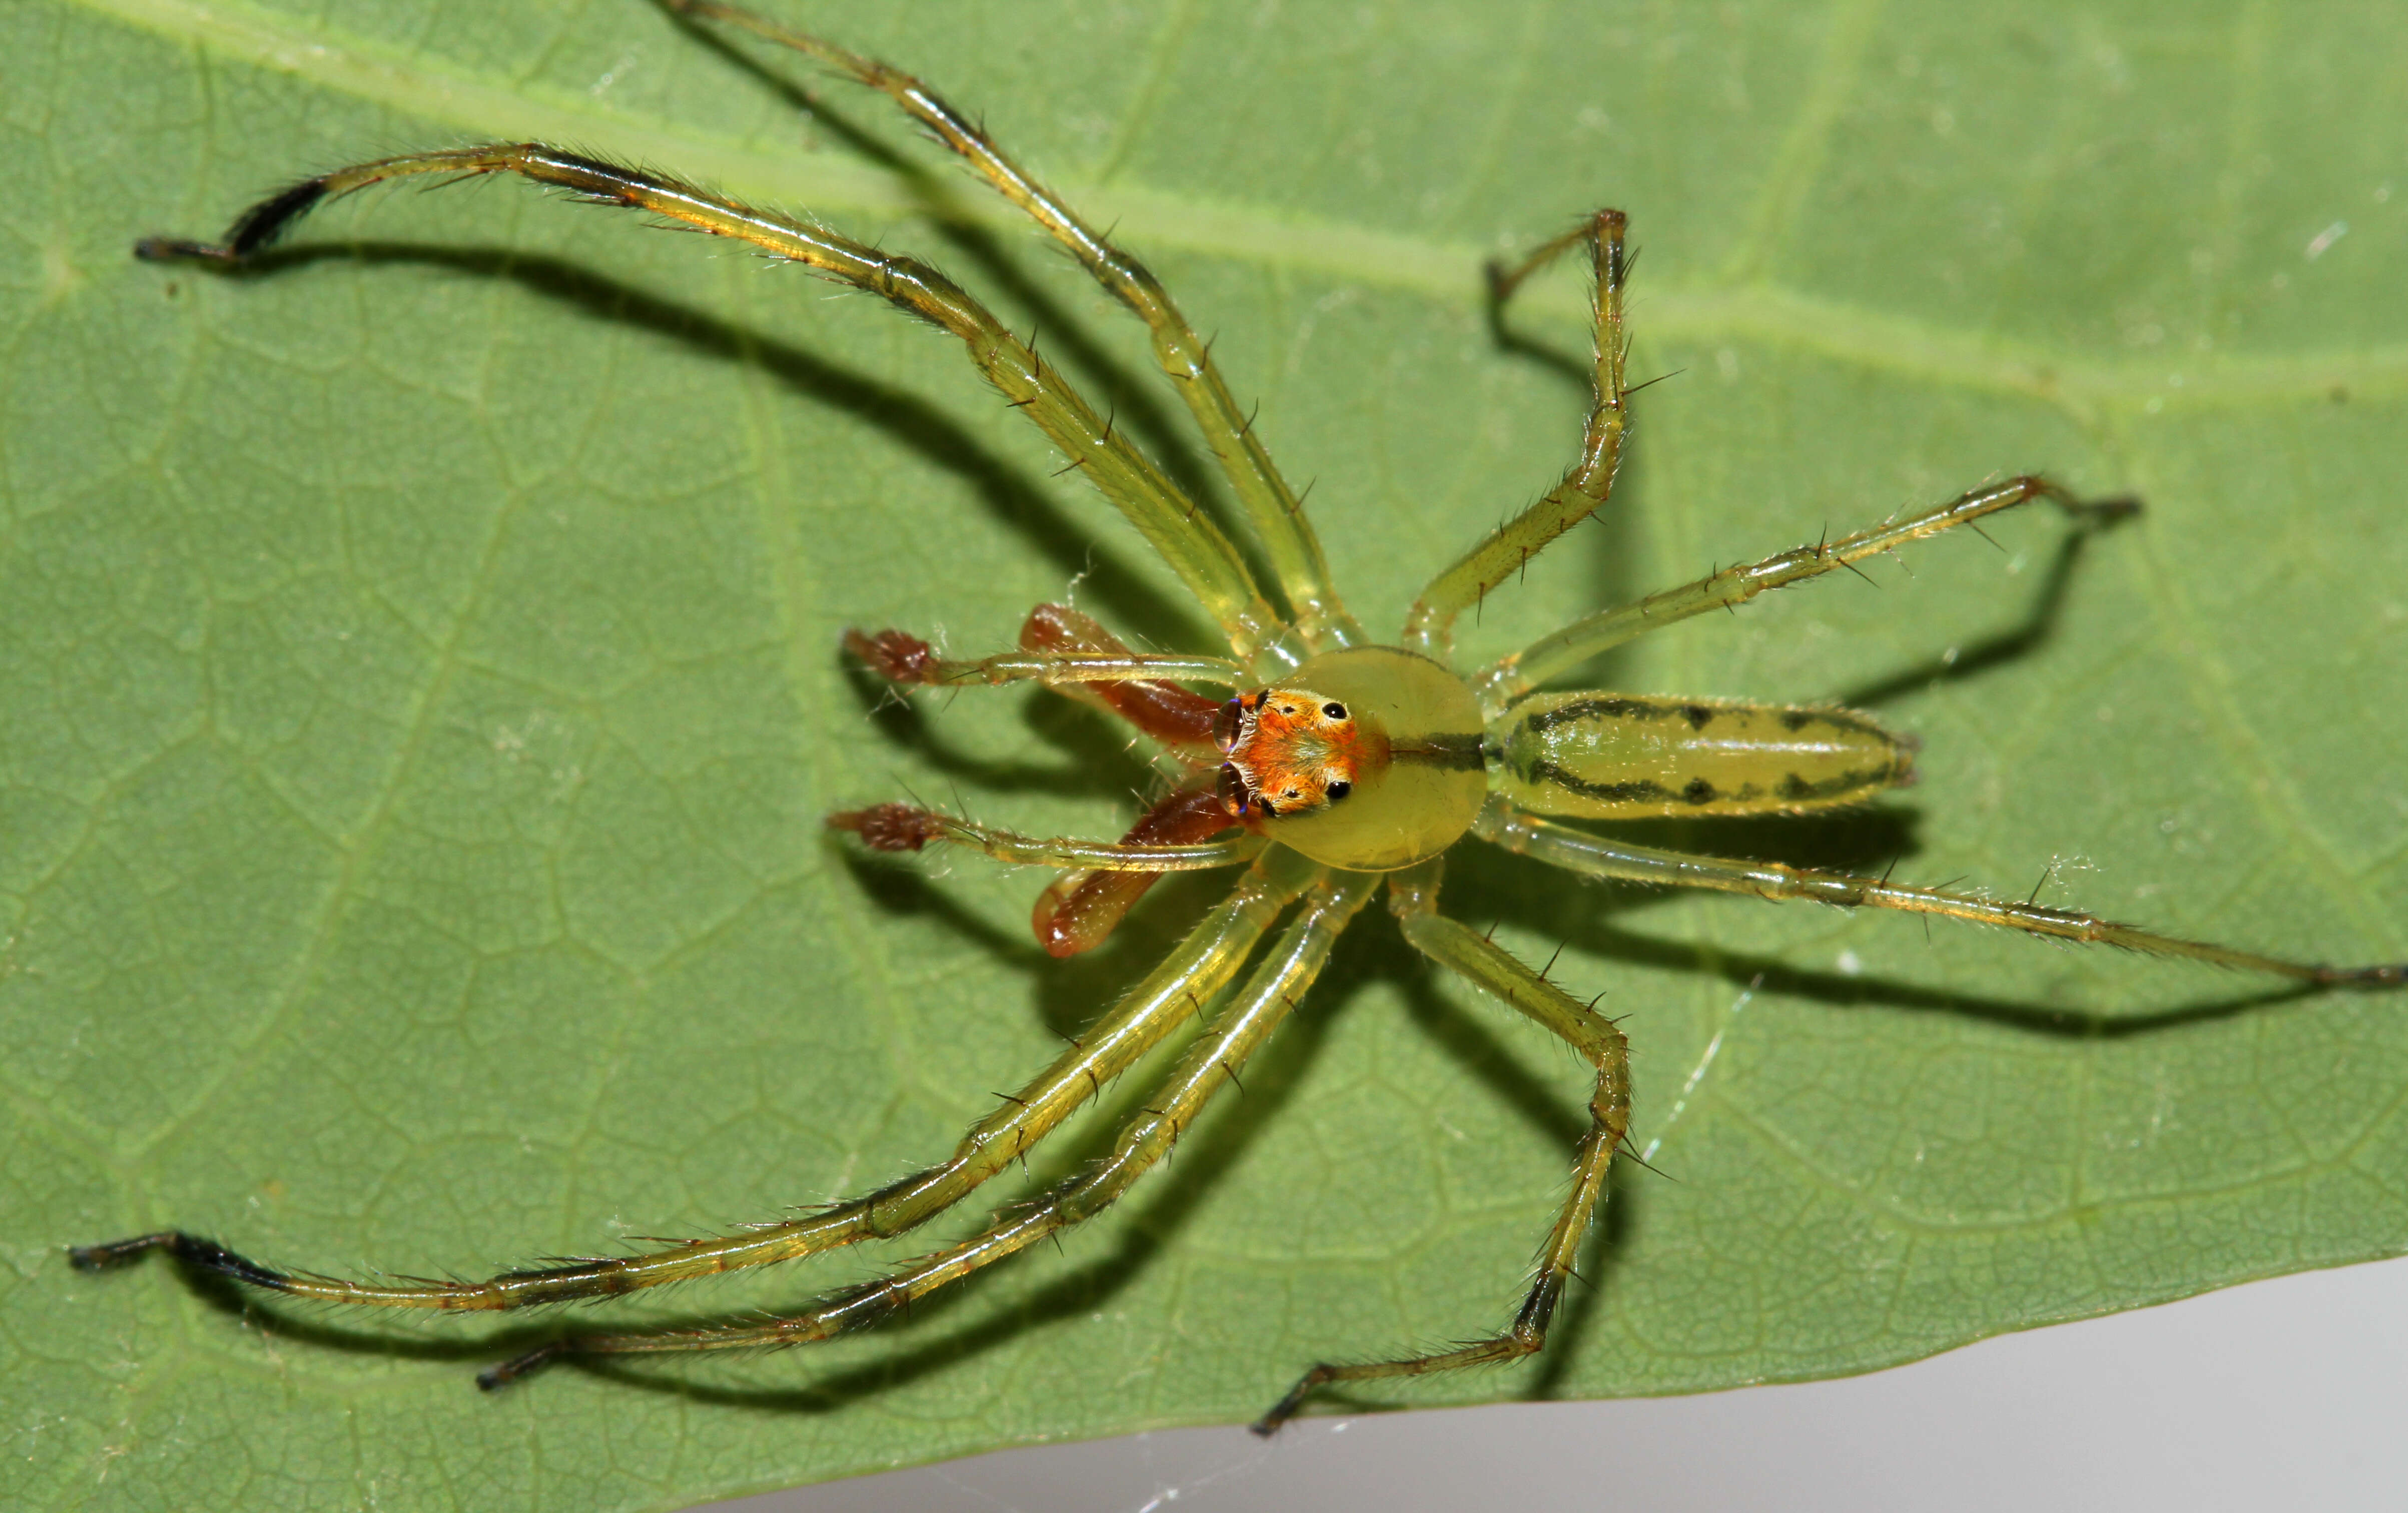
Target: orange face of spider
[[1288, 752]]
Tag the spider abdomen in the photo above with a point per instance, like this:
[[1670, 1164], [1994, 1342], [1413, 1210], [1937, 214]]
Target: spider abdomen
[[1609, 756]]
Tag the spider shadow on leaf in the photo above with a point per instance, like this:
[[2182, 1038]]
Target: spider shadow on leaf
[[1865, 839], [2034, 631], [1205, 1154], [1135, 400], [284, 1318], [1147, 1228], [908, 417], [1068, 994], [1072, 991], [1012, 496], [1615, 576], [1095, 756]]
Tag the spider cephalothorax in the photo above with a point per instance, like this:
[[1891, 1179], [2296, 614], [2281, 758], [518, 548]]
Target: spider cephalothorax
[[1351, 772]]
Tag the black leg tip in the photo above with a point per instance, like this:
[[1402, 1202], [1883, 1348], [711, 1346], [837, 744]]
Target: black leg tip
[[494, 1377], [115, 1253], [2389, 976], [178, 249], [188, 1249], [1285, 1409]]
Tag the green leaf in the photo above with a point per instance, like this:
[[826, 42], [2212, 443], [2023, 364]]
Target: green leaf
[[419, 695]]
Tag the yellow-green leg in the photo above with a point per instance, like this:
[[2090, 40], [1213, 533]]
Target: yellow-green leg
[[1212, 1063], [1502, 681], [1193, 546], [1596, 856], [1413, 896], [1177, 991], [908, 827], [1430, 626], [1051, 668], [1274, 508]]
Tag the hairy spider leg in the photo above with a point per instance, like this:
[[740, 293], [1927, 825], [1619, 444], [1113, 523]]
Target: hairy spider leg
[[1166, 518], [908, 827], [1208, 1064], [1596, 856], [1274, 508], [1429, 626], [1170, 996], [1412, 897], [1053, 668], [1502, 681]]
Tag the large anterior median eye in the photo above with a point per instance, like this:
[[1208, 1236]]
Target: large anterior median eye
[[1229, 722], [1231, 788]]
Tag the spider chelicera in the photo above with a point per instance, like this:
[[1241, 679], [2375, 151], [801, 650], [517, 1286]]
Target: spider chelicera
[[1340, 765]]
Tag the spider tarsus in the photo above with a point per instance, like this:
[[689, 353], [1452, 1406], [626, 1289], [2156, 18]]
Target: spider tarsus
[[258, 229], [180, 250], [115, 1253], [500, 1374], [189, 1249], [1285, 1409], [2389, 975]]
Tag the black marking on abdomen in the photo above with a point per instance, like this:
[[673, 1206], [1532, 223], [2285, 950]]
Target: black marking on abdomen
[[1796, 790], [1603, 707], [1697, 793], [1447, 753], [1634, 791]]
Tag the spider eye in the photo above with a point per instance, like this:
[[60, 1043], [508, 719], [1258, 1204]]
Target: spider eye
[[1231, 790], [1339, 790], [1229, 725], [1335, 711]]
